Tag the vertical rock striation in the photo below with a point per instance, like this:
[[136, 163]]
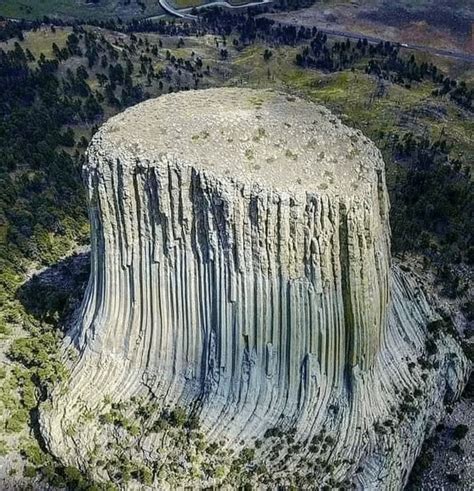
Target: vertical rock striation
[[241, 268]]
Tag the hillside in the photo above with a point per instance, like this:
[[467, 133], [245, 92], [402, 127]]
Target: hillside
[[428, 23], [69, 10], [79, 9]]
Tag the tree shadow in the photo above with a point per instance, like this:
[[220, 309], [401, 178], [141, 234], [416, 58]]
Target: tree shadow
[[53, 294]]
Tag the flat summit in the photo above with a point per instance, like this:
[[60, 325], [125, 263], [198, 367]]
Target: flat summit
[[257, 136]]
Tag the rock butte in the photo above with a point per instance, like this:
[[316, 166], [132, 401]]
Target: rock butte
[[256, 137], [241, 269]]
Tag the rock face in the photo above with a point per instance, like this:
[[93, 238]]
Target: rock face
[[241, 270]]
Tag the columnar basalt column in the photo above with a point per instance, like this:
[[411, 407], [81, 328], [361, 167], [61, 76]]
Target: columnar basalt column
[[241, 267]]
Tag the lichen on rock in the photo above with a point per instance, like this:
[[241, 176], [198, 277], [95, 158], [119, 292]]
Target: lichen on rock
[[241, 270]]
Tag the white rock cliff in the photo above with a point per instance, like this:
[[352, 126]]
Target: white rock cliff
[[241, 269]]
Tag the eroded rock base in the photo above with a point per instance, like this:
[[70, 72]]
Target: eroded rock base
[[109, 422]]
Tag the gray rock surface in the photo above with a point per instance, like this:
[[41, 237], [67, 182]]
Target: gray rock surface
[[241, 268]]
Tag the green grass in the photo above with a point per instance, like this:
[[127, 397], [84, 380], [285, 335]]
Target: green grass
[[42, 40], [77, 9], [183, 4], [31, 9], [3, 233], [250, 67], [356, 98]]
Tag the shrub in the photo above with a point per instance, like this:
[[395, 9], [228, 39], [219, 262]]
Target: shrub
[[435, 327], [431, 347], [212, 448], [17, 421], [144, 475], [220, 472], [453, 478], [273, 432], [160, 424], [468, 349], [247, 454], [72, 475], [423, 462], [469, 389], [34, 454], [3, 448], [193, 423], [460, 431], [457, 449], [29, 471], [178, 417]]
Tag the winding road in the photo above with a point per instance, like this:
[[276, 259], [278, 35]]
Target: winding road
[[371, 39], [186, 14]]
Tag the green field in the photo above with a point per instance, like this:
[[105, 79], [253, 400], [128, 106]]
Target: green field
[[77, 9], [105, 9], [355, 96], [183, 4], [41, 41]]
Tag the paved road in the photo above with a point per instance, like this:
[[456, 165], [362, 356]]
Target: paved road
[[358, 35], [429, 49], [172, 11], [185, 13]]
